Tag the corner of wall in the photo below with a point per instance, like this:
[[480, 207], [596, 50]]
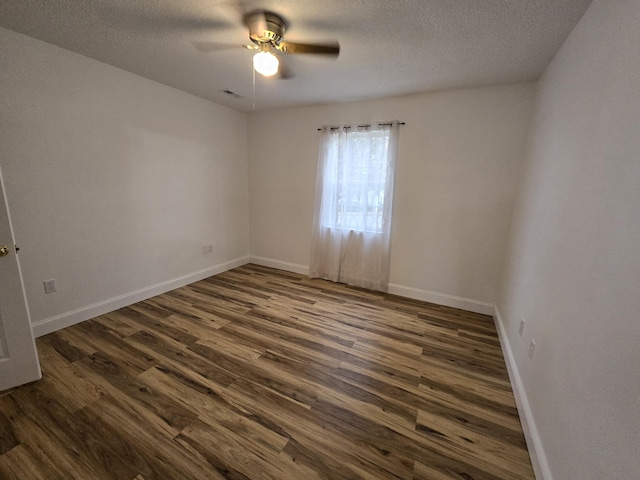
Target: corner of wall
[[531, 435]]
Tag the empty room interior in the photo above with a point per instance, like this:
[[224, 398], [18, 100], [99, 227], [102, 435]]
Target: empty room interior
[[163, 311]]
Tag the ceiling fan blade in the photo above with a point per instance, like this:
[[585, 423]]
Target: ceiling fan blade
[[257, 18], [284, 71], [208, 47], [331, 49], [236, 10], [134, 17]]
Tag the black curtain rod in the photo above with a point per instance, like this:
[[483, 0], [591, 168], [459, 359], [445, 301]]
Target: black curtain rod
[[363, 126]]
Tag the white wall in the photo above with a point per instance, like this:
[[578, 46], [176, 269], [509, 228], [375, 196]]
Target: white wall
[[458, 162], [573, 267], [114, 182]]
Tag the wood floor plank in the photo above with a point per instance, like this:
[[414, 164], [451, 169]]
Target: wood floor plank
[[154, 408], [96, 337], [208, 403], [39, 459], [153, 456], [491, 448], [99, 449], [308, 427], [172, 352], [75, 394], [8, 439], [258, 373]]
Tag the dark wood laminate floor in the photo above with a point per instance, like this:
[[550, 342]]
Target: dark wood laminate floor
[[263, 374]]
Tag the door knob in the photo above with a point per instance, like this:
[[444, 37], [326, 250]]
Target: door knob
[[4, 251]]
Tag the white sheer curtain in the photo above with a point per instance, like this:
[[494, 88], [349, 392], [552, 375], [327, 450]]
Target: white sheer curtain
[[351, 239]]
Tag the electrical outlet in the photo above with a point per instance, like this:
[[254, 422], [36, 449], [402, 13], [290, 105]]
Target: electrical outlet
[[532, 349], [49, 286], [522, 322], [209, 248]]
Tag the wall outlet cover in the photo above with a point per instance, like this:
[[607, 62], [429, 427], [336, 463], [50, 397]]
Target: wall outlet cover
[[49, 286]]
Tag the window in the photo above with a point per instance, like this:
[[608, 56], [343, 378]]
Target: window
[[359, 180], [354, 193]]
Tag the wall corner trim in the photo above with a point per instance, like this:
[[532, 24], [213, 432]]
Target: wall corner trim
[[57, 322], [531, 435]]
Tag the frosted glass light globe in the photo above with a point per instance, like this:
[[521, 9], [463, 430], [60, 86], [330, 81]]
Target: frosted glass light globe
[[265, 63]]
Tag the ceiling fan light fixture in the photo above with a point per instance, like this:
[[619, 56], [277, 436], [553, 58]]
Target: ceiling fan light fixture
[[265, 63]]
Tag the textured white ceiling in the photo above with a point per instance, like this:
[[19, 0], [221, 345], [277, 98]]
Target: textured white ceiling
[[388, 47]]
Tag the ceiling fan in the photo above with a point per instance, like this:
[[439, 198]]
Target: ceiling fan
[[266, 32]]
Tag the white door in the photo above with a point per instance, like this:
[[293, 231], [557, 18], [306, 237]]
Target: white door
[[18, 355]]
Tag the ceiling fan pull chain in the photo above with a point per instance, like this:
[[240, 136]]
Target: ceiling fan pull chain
[[253, 71]]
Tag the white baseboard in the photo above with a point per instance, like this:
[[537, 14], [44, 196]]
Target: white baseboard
[[468, 304], [67, 319], [531, 435], [286, 266]]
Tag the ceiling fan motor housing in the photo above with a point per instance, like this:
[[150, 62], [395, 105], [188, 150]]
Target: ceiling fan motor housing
[[266, 27]]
